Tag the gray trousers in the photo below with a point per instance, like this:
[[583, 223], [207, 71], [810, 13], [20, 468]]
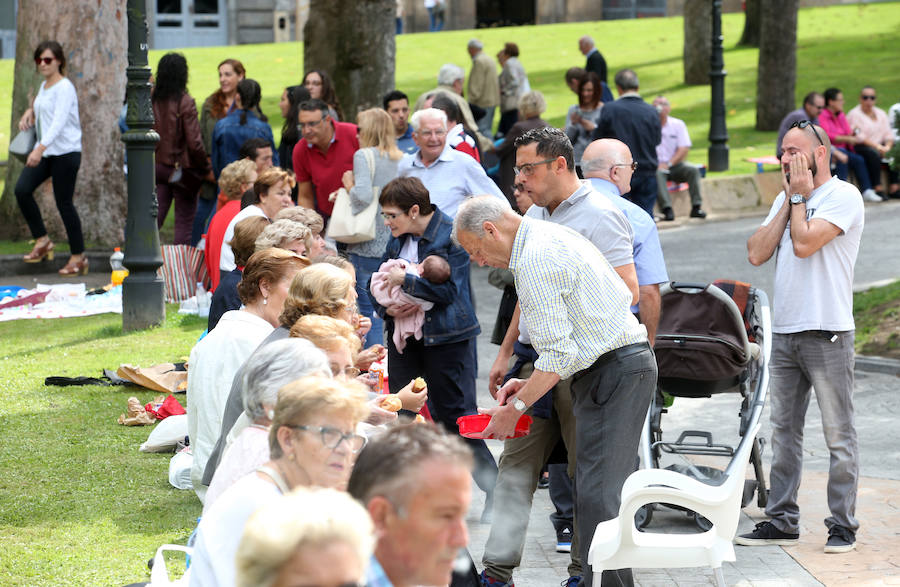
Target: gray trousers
[[611, 401], [680, 172], [519, 468], [800, 361]]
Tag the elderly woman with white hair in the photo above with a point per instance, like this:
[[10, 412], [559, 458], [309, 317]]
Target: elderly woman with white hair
[[265, 372], [314, 536], [286, 234], [312, 442]]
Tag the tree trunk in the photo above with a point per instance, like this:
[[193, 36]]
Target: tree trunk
[[94, 37], [750, 36], [352, 40], [697, 41], [777, 71]]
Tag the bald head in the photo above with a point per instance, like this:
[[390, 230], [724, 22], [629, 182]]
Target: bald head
[[608, 159], [813, 142]]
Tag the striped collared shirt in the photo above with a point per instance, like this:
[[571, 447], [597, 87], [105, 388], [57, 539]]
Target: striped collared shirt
[[575, 305]]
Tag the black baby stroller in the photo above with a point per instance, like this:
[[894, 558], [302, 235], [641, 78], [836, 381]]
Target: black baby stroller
[[711, 339]]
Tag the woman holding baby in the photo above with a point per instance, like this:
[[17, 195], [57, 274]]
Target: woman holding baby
[[445, 353]]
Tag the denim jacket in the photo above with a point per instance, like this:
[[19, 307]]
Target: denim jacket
[[452, 319]]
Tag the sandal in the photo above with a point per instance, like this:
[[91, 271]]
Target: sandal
[[73, 268], [40, 252]]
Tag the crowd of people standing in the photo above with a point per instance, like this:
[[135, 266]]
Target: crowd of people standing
[[283, 391]]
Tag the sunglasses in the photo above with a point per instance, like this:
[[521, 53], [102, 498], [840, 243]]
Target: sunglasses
[[45, 60], [867, 97], [801, 124]]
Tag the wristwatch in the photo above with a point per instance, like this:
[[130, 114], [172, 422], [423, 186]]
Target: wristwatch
[[797, 199], [519, 405]]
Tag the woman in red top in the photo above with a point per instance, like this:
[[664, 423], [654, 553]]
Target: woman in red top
[[235, 179]]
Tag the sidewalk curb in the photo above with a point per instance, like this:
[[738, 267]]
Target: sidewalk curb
[[878, 365]]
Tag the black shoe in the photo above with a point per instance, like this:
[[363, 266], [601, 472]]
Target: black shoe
[[697, 212], [564, 539], [543, 481], [895, 195], [767, 533], [840, 540], [668, 214]]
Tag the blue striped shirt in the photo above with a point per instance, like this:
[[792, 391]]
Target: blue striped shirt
[[574, 304]]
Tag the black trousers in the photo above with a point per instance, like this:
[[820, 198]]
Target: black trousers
[[63, 170], [873, 165], [449, 370]]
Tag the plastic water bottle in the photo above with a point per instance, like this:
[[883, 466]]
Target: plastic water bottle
[[119, 273], [202, 301]]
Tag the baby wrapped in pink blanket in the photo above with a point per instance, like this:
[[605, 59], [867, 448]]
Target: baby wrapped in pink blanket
[[434, 268]]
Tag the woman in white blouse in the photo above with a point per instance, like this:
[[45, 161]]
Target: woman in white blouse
[[56, 155]]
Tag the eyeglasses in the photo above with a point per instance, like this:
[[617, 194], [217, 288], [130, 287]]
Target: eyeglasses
[[527, 169], [633, 165], [431, 133], [332, 437], [303, 125], [801, 124], [390, 217], [44, 60], [867, 97]]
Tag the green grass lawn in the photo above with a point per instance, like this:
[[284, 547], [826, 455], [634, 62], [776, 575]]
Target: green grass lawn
[[844, 46], [79, 505]]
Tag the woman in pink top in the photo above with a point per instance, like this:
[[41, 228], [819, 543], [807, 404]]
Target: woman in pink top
[[834, 123], [871, 125]]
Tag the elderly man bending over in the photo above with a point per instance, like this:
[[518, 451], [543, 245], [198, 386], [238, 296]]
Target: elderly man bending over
[[449, 176], [577, 310]]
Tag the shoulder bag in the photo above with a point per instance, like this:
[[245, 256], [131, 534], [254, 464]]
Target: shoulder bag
[[347, 227], [23, 143]]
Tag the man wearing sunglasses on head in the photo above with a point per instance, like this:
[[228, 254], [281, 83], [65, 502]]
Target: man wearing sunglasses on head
[[813, 229]]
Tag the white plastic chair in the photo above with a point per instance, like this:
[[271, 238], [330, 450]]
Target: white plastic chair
[[617, 543]]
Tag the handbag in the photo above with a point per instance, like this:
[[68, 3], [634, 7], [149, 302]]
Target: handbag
[[23, 143], [347, 227]]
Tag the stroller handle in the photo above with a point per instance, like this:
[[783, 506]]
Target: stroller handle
[[684, 285]]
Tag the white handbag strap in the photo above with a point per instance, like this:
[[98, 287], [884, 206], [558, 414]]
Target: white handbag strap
[[159, 575], [370, 160]]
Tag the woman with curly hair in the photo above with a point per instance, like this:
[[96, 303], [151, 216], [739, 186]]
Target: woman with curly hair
[[321, 88], [215, 107], [181, 160], [245, 121]]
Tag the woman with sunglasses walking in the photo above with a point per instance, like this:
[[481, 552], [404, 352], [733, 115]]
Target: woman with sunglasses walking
[[56, 155]]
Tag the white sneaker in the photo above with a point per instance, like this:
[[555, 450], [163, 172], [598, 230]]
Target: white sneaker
[[870, 196]]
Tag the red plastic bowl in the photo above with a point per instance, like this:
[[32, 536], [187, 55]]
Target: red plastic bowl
[[473, 426]]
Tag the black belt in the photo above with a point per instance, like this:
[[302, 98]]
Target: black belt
[[619, 353]]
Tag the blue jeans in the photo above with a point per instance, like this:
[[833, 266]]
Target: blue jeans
[[365, 267], [205, 210], [799, 362], [858, 164], [611, 399]]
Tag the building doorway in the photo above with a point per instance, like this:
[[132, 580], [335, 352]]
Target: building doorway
[[496, 13], [189, 23]]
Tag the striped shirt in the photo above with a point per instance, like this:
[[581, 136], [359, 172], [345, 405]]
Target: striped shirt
[[574, 304]]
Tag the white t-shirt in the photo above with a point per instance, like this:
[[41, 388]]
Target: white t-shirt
[[220, 530], [816, 293], [226, 257]]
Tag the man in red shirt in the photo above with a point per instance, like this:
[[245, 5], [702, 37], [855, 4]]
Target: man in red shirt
[[322, 156]]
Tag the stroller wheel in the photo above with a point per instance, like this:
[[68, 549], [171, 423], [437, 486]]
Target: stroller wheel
[[749, 489], [643, 516]]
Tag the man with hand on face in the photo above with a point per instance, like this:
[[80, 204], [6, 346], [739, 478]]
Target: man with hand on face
[[813, 229], [322, 156], [577, 311]]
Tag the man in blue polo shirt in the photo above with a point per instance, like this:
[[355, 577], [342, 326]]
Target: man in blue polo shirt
[[396, 103], [607, 164]]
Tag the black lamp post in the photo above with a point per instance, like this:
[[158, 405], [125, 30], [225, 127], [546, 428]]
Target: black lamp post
[[142, 291], [718, 133]]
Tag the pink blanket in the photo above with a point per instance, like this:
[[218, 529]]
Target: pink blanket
[[391, 296]]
